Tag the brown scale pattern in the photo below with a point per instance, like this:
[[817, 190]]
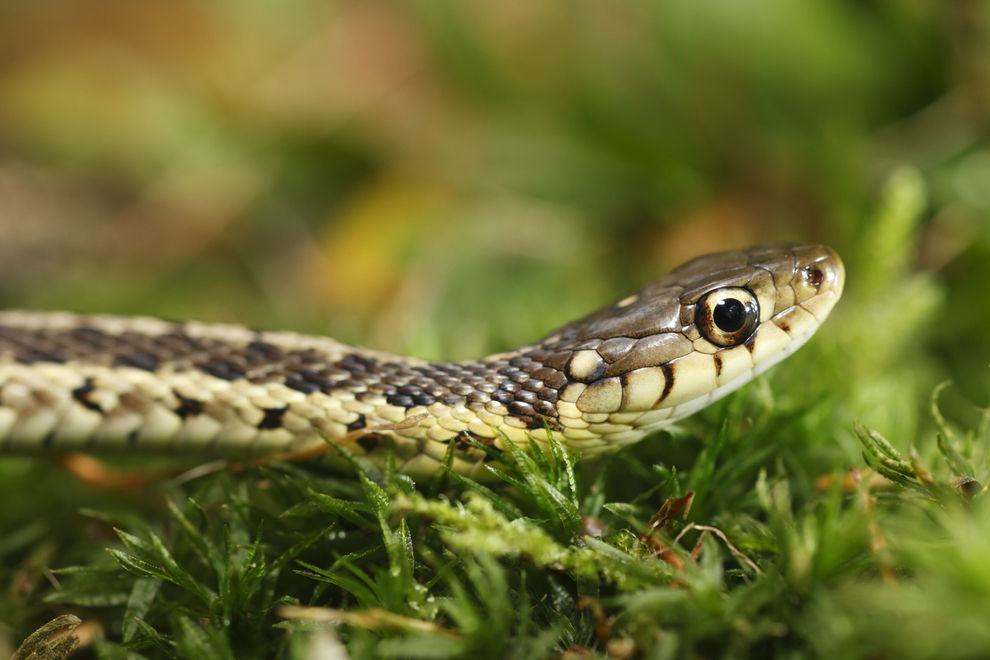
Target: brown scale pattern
[[528, 389]]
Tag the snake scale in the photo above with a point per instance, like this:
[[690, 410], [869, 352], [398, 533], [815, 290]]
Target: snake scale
[[105, 383]]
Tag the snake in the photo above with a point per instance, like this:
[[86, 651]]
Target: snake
[[102, 383]]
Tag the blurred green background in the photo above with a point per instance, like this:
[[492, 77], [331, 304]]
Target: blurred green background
[[448, 179]]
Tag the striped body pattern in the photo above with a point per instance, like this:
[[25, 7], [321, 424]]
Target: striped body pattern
[[103, 383]]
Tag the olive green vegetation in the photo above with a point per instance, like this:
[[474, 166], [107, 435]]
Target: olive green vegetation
[[838, 505]]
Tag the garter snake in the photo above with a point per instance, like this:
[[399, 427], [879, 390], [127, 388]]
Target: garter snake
[[99, 383]]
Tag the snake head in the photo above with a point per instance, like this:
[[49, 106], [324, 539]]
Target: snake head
[[697, 334]]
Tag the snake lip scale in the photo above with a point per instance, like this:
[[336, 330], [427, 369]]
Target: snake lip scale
[[104, 383]]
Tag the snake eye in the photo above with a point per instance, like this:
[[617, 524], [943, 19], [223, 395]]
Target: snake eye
[[728, 316]]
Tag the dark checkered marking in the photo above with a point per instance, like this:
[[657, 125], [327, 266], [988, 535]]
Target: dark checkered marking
[[187, 406], [81, 394], [273, 418], [371, 441]]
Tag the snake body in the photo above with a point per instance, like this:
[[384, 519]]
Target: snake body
[[98, 383]]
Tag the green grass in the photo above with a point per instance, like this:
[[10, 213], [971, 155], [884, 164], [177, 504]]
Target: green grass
[[775, 556]]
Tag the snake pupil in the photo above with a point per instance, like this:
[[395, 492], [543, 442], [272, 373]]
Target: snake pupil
[[729, 315]]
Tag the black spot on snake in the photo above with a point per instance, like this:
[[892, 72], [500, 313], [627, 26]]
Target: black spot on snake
[[370, 442], [81, 394], [327, 384], [273, 418], [295, 382], [357, 424], [89, 335], [400, 400], [223, 369], [356, 363], [544, 422], [187, 407], [309, 380], [492, 453], [32, 356], [179, 342], [266, 349], [145, 361], [424, 399], [750, 342], [668, 381], [718, 364], [462, 441]]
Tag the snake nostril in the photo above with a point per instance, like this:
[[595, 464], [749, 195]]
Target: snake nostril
[[813, 276]]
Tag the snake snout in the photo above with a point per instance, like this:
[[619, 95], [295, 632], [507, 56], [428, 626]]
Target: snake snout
[[818, 280]]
